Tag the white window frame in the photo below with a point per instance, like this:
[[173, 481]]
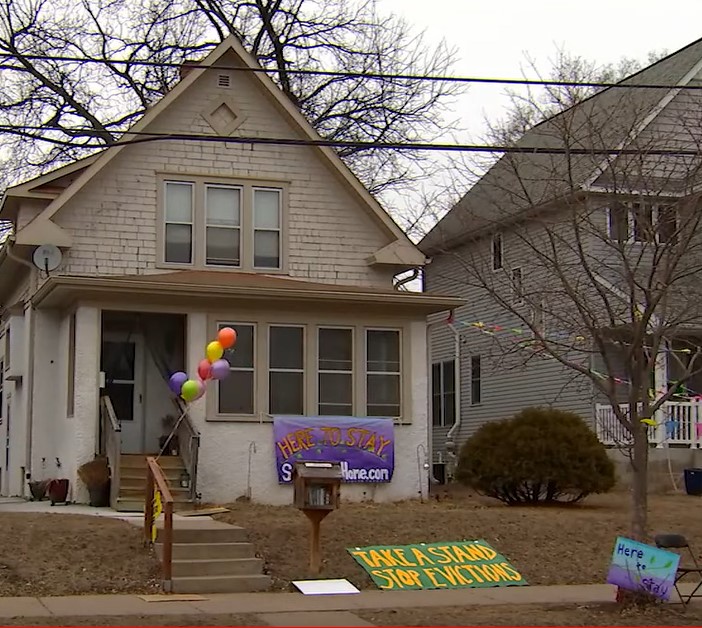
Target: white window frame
[[223, 186], [255, 229], [242, 369], [352, 372], [397, 373], [191, 224], [442, 393], [497, 236], [656, 206], [272, 369]]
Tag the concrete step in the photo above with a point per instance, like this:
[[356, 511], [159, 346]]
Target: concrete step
[[221, 584], [131, 504], [203, 533], [178, 493], [183, 551], [217, 567], [138, 461]]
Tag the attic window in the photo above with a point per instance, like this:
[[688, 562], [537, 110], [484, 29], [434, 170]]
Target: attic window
[[224, 81]]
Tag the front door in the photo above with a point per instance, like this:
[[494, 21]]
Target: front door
[[122, 361]]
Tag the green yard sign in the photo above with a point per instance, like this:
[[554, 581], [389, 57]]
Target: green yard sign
[[454, 565]]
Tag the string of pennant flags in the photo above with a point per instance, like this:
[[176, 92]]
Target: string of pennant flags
[[671, 424]]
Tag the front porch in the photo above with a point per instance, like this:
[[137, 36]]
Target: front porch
[[679, 425], [139, 415]]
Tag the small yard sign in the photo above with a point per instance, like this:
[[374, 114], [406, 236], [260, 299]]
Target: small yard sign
[[643, 568], [451, 565], [158, 509]]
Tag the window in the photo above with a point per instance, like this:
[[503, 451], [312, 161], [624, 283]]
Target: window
[[179, 223], [517, 287], [475, 388], [643, 222], [383, 372], [335, 371], [619, 222], [2, 388], [236, 392], [538, 319], [266, 212], [215, 224], [70, 402], [443, 393], [222, 225], [286, 373], [497, 251]]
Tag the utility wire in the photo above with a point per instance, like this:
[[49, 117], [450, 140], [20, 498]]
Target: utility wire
[[343, 74], [146, 137]]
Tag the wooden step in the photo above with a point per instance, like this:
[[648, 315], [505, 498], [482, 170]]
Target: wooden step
[[217, 567], [182, 551], [138, 461], [221, 584]]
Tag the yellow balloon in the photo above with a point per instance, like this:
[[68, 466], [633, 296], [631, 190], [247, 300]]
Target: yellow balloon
[[214, 351]]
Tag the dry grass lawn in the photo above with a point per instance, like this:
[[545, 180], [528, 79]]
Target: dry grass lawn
[[565, 545], [54, 554]]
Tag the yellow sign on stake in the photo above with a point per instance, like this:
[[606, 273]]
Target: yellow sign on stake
[[158, 509]]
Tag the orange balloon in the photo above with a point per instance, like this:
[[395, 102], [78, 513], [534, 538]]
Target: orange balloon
[[226, 337]]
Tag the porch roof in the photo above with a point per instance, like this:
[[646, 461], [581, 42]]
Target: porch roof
[[61, 291]]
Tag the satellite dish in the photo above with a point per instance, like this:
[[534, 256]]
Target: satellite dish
[[47, 257]]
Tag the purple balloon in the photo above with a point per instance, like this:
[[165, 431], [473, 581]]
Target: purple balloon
[[176, 382], [220, 369]]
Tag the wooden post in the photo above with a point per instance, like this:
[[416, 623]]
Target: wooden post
[[148, 506], [315, 517]]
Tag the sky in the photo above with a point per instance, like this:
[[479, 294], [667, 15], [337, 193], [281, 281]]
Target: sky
[[493, 36]]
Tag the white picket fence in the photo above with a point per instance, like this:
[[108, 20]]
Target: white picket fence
[[687, 415]]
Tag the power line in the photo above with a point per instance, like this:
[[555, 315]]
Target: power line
[[346, 74], [146, 137]]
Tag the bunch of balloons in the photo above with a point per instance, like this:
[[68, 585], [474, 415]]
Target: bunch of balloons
[[214, 366]]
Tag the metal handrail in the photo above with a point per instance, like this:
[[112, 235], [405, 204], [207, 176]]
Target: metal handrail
[[156, 478]]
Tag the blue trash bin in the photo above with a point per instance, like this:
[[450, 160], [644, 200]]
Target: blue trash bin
[[693, 481]]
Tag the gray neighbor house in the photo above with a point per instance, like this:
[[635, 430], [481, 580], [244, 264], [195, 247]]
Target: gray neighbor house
[[556, 239]]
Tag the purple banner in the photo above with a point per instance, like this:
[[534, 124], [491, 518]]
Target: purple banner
[[365, 447]]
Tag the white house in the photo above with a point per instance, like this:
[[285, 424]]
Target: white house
[[164, 242]]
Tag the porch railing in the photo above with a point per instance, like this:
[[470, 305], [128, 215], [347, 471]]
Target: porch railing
[[111, 444], [683, 432], [189, 443], [156, 481]]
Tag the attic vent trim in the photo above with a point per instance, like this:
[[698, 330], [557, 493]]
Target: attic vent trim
[[224, 80]]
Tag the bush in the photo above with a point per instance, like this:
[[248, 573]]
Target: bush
[[538, 456]]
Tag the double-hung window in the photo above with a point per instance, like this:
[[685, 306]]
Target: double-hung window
[[335, 369], [222, 225], [179, 222], [383, 389], [286, 369], [443, 393], [237, 392]]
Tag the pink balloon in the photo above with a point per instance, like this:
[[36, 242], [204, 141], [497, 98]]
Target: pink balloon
[[202, 391], [204, 370], [220, 369]]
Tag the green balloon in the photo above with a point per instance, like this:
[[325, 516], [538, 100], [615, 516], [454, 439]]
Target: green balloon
[[190, 390]]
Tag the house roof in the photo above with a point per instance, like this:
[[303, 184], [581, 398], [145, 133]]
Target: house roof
[[609, 119], [401, 250], [226, 288]]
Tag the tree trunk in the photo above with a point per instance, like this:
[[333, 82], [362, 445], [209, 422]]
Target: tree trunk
[[639, 493]]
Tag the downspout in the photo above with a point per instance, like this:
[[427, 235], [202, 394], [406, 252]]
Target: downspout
[[457, 377], [412, 277], [29, 380]]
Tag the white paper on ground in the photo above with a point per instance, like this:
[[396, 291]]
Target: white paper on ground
[[325, 587]]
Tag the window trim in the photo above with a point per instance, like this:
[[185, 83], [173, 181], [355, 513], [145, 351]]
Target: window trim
[[366, 372], [163, 223], [451, 366], [656, 206], [270, 369], [256, 360], [246, 184], [222, 186], [279, 230], [353, 372]]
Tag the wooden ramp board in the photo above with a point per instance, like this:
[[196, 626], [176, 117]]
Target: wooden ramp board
[[202, 512], [172, 597]]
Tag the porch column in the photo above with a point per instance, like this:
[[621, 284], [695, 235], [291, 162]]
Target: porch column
[[660, 384]]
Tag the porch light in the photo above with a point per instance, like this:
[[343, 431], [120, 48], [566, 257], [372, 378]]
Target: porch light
[[184, 480]]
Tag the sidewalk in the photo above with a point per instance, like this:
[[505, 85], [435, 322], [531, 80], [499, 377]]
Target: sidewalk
[[269, 603]]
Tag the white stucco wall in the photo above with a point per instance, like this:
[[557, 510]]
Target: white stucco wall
[[224, 448]]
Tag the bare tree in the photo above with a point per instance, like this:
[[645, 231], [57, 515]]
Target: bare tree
[[67, 109], [603, 221]]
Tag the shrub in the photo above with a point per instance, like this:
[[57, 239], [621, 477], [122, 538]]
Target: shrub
[[540, 455]]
